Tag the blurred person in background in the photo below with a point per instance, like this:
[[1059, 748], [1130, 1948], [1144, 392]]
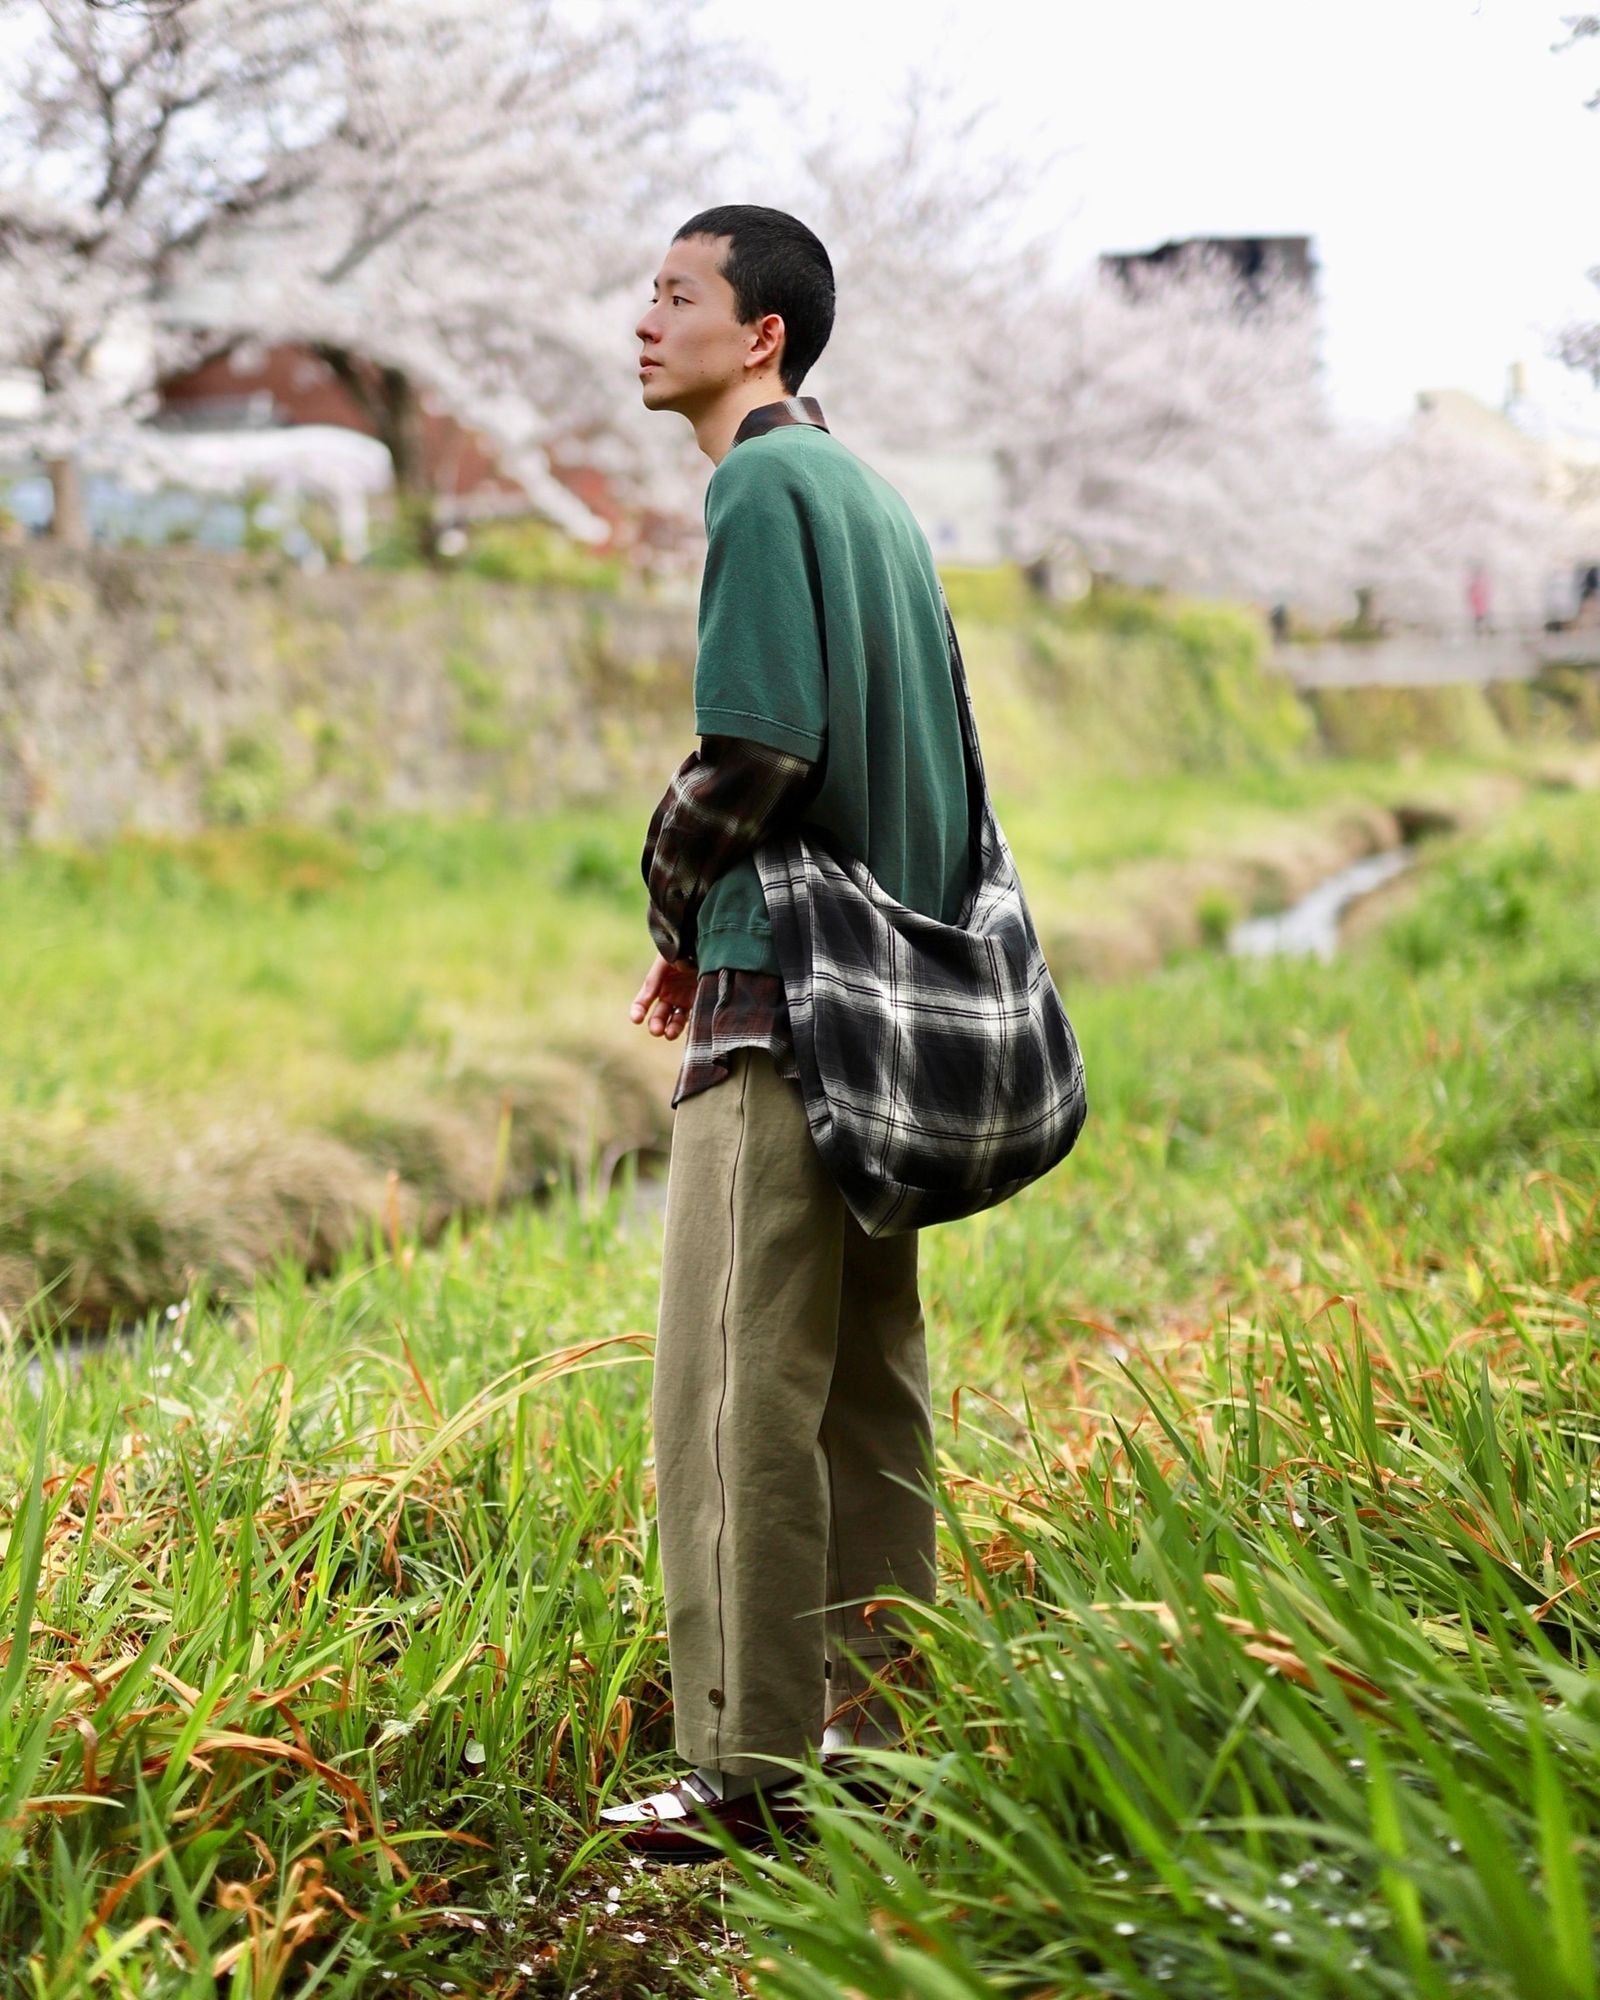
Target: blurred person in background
[[1478, 600]]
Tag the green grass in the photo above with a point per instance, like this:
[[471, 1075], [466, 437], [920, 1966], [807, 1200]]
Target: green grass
[[1262, 1655], [221, 1043], [1071, 838], [238, 1035], [265, 1036], [178, 964]]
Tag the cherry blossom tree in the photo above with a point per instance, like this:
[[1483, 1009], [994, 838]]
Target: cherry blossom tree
[[933, 265], [463, 199], [129, 136], [1166, 424], [1431, 500], [496, 183], [1165, 428], [461, 189], [1172, 428]]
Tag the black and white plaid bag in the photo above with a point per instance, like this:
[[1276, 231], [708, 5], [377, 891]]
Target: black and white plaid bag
[[938, 1067]]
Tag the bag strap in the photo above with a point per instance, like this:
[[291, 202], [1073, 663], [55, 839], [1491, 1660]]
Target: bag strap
[[978, 807]]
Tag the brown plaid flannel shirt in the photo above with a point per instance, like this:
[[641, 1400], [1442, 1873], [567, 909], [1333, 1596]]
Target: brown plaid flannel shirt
[[723, 799]]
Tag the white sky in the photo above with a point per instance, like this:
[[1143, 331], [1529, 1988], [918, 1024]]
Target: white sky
[[1439, 155]]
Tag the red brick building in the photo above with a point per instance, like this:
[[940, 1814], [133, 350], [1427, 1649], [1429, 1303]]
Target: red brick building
[[259, 387]]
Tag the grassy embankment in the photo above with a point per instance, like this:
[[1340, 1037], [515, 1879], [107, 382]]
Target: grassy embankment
[[1263, 1657], [266, 1035]]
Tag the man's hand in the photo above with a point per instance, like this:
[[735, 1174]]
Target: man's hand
[[664, 1000]]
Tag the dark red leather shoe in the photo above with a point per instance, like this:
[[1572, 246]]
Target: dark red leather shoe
[[671, 1825]]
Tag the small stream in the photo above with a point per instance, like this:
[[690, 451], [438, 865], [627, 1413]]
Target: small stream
[[1311, 926]]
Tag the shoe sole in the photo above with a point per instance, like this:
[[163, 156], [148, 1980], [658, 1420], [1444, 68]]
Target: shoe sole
[[691, 1840]]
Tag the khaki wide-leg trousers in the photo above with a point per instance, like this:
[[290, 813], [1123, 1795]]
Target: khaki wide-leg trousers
[[790, 1403]]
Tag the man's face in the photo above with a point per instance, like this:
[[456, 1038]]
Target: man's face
[[691, 347]]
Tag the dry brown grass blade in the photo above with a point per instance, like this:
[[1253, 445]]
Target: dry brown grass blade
[[167, 1678], [1549, 1604], [107, 1904], [1292, 1667], [1273, 1649], [274, 1941], [553, 1762], [269, 1748], [417, 1376], [90, 1781], [38, 1629]]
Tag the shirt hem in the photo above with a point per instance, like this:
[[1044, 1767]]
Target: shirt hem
[[741, 956], [758, 729]]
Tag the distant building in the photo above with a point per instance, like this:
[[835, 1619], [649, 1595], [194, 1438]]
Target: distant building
[[19, 396], [956, 494], [1460, 412], [1565, 466], [258, 387], [652, 540], [1259, 261]]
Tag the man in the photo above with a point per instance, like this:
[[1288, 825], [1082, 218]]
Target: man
[[792, 1417]]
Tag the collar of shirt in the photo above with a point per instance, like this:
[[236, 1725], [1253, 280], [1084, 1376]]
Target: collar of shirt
[[768, 416]]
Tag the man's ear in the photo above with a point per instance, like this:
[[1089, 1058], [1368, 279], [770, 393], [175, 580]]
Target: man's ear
[[770, 333]]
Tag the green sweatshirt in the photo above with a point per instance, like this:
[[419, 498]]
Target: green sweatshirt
[[821, 633]]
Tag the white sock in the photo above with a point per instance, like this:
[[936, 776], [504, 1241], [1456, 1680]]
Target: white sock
[[735, 1785]]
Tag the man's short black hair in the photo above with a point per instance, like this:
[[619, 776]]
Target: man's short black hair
[[775, 265]]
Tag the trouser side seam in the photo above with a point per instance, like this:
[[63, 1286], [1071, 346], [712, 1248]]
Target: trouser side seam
[[722, 1489], [834, 1616]]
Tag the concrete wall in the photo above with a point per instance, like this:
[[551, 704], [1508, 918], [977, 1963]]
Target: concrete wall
[[171, 689]]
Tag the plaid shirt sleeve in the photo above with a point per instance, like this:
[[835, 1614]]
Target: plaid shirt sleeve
[[721, 802]]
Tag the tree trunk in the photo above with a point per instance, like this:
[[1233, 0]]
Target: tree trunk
[[388, 398], [68, 524], [400, 427]]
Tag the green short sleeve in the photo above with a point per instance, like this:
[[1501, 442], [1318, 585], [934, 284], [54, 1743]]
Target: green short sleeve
[[759, 669]]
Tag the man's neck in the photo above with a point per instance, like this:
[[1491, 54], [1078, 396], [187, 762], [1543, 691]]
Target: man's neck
[[714, 432]]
